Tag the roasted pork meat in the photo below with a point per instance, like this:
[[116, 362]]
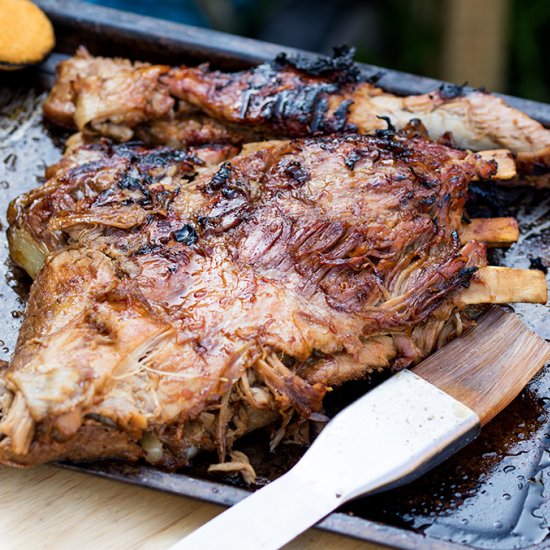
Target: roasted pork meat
[[182, 106], [178, 306], [122, 100]]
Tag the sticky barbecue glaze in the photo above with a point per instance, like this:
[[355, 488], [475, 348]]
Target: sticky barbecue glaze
[[190, 296]]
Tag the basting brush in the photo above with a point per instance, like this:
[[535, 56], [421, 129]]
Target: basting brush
[[392, 435]]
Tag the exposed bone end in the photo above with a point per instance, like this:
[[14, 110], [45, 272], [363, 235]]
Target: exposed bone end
[[495, 232], [506, 166], [26, 251], [501, 285]]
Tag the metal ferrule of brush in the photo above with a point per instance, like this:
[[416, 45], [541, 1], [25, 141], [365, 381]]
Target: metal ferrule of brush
[[392, 435]]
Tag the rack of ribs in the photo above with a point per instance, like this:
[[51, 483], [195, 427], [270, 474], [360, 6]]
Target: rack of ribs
[[186, 297], [185, 106]]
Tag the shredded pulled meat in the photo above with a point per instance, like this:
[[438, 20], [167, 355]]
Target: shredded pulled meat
[[179, 304], [239, 463]]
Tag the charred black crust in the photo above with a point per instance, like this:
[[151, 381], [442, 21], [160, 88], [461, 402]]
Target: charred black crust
[[133, 179], [339, 120], [536, 263], [451, 91], [129, 149], [136, 152], [81, 169], [307, 105], [202, 221], [302, 109], [341, 67], [147, 249], [428, 201], [352, 159], [465, 275], [219, 179], [141, 163], [446, 198], [166, 156], [186, 234], [319, 111], [296, 173], [394, 141], [424, 180], [388, 132]]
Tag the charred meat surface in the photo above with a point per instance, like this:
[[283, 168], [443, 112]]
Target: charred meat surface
[[122, 100], [281, 99], [180, 305], [81, 189]]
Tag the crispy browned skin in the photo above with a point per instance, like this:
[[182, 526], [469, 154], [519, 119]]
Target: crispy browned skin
[[108, 91], [280, 99], [122, 100], [189, 307], [87, 171]]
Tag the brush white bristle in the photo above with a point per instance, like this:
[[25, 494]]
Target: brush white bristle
[[488, 366]]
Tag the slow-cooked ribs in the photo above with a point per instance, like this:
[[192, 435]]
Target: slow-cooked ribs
[[183, 106], [182, 305]]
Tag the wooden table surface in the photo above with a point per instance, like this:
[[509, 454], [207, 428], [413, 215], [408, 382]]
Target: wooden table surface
[[50, 508]]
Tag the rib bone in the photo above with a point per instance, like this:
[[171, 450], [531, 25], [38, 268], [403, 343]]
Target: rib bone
[[495, 232], [506, 166], [501, 285]]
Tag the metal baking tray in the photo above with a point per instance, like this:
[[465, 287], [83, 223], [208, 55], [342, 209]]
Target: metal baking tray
[[493, 494]]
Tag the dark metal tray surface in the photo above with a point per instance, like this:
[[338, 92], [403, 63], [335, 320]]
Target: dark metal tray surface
[[493, 494]]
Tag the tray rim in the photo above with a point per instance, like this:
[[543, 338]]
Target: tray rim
[[227, 495], [93, 19]]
